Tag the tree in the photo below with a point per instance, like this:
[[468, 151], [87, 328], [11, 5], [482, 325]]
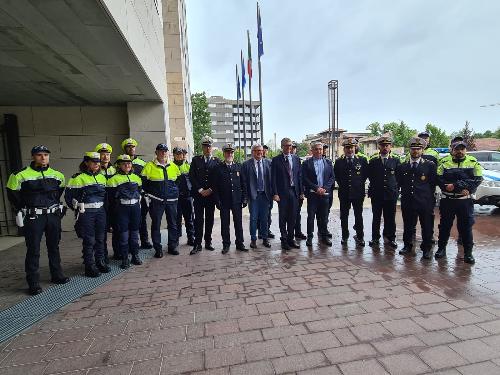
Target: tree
[[468, 134], [201, 120], [239, 155], [303, 149], [374, 129], [439, 138], [488, 134], [401, 133]]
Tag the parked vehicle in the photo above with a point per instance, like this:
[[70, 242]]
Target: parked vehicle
[[489, 190], [487, 159]]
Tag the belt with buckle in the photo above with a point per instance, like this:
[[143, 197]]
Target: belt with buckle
[[129, 202]]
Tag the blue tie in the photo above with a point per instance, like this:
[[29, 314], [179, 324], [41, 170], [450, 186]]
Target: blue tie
[[260, 180]]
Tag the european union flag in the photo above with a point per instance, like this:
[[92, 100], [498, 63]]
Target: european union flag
[[238, 89], [243, 78], [260, 42]]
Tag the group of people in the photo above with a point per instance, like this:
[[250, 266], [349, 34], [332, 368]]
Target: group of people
[[117, 199]]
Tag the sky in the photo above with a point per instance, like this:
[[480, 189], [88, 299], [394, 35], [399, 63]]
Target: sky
[[418, 61]]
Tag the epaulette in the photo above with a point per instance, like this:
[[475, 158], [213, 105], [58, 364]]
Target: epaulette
[[19, 170], [76, 174]]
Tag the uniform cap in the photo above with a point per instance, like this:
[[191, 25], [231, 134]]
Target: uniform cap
[[39, 149], [417, 142], [350, 142], [178, 150], [425, 133], [384, 140], [265, 147], [207, 141], [103, 147], [457, 144], [124, 158], [162, 147], [129, 142], [458, 138], [294, 144], [228, 147], [92, 156]]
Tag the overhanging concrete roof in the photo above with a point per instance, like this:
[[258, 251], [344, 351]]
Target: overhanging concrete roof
[[66, 52]]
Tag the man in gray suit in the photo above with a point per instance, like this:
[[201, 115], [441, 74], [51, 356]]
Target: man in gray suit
[[256, 173]]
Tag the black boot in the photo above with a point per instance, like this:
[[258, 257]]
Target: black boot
[[146, 245], [440, 253], [102, 266], [190, 241], [427, 254], [158, 253], [35, 289], [91, 270], [136, 260], [196, 249], [209, 247], [468, 258], [406, 250], [125, 263]]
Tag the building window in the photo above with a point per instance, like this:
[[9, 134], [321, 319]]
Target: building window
[[212, 114], [214, 122], [229, 131], [212, 105]]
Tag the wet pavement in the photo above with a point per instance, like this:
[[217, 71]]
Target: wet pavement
[[309, 311]]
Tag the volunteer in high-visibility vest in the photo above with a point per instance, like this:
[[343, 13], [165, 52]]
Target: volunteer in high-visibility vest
[[86, 195]]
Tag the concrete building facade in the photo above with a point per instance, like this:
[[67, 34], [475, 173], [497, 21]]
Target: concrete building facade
[[224, 118], [75, 73]]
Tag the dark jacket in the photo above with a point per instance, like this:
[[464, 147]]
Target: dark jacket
[[280, 178], [250, 178], [228, 185], [417, 185], [383, 183], [199, 174], [351, 177], [310, 179]]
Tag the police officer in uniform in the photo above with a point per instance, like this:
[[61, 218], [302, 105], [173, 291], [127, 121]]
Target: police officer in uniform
[[86, 195], [383, 191], [35, 192], [108, 171], [129, 146], [203, 202], [160, 178], [429, 153], [229, 193], [458, 177], [185, 203], [124, 194], [417, 179], [351, 172]]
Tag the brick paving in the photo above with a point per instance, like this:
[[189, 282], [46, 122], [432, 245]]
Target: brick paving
[[324, 311]]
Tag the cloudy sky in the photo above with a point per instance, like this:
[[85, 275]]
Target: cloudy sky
[[415, 60]]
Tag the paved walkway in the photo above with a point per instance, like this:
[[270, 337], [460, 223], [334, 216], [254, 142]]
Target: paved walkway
[[325, 311]]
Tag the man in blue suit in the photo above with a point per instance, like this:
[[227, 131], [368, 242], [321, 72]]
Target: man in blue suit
[[287, 190], [256, 173], [318, 179]]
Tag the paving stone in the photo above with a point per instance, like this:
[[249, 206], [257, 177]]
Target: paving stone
[[176, 348], [224, 357], [278, 332], [462, 317], [436, 337], [404, 312], [27, 355], [468, 332], [402, 327], [31, 369], [404, 364], [264, 350], [398, 344], [253, 368], [182, 363], [345, 336], [240, 338], [365, 367], [292, 345], [111, 370], [373, 317], [279, 319], [272, 307], [327, 324], [435, 308], [299, 362], [68, 349], [318, 341], [151, 366], [491, 327], [368, 332], [433, 322], [483, 368], [474, 350], [329, 370], [173, 334], [440, 357], [493, 341], [350, 353], [255, 322], [221, 328]]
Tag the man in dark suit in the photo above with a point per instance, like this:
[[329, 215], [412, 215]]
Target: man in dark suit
[[256, 174], [351, 174], [229, 194], [417, 178], [203, 202], [383, 191], [298, 219], [270, 234], [287, 190], [330, 199], [318, 180]]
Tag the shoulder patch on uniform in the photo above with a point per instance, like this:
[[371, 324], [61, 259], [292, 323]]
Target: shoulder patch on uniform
[[19, 170]]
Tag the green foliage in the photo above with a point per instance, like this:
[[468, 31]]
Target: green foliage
[[439, 138], [401, 133], [201, 120], [303, 149], [239, 155], [374, 129], [488, 134]]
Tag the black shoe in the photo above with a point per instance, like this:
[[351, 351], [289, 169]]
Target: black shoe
[[136, 261], [330, 235], [253, 244], [208, 246], [309, 242], [102, 266], [125, 263], [158, 254], [440, 253], [117, 257], [271, 235], [469, 259], [326, 241], [459, 241], [266, 243], [106, 259], [190, 242], [392, 244], [406, 250], [374, 242], [285, 246], [173, 251], [35, 289], [360, 241], [146, 245], [433, 241], [300, 236], [343, 241], [196, 249], [294, 245], [241, 247], [92, 271], [427, 254], [60, 280], [225, 249]]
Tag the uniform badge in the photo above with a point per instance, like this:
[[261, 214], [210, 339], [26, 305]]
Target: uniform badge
[[423, 178]]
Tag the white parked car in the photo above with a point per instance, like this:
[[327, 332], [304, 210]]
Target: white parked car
[[489, 190], [488, 159]]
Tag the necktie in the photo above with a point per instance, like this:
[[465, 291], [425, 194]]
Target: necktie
[[260, 180], [384, 161], [288, 169], [414, 165], [349, 161]]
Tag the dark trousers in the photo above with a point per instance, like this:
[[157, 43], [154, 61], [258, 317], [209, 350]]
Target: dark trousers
[[204, 209], [259, 216], [388, 209], [126, 228], [269, 220], [156, 210], [91, 228], [185, 209], [317, 207], [411, 213], [463, 209], [345, 207], [115, 238], [34, 229], [298, 218], [225, 224], [143, 229], [287, 210]]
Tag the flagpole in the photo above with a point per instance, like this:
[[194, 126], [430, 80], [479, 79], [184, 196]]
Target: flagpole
[[243, 99], [260, 99], [260, 52], [238, 106], [249, 63]]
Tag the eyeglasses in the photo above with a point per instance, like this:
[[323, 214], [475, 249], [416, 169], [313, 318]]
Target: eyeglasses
[[287, 145]]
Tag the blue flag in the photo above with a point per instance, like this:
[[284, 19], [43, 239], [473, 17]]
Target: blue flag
[[260, 42], [243, 78], [238, 90]]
